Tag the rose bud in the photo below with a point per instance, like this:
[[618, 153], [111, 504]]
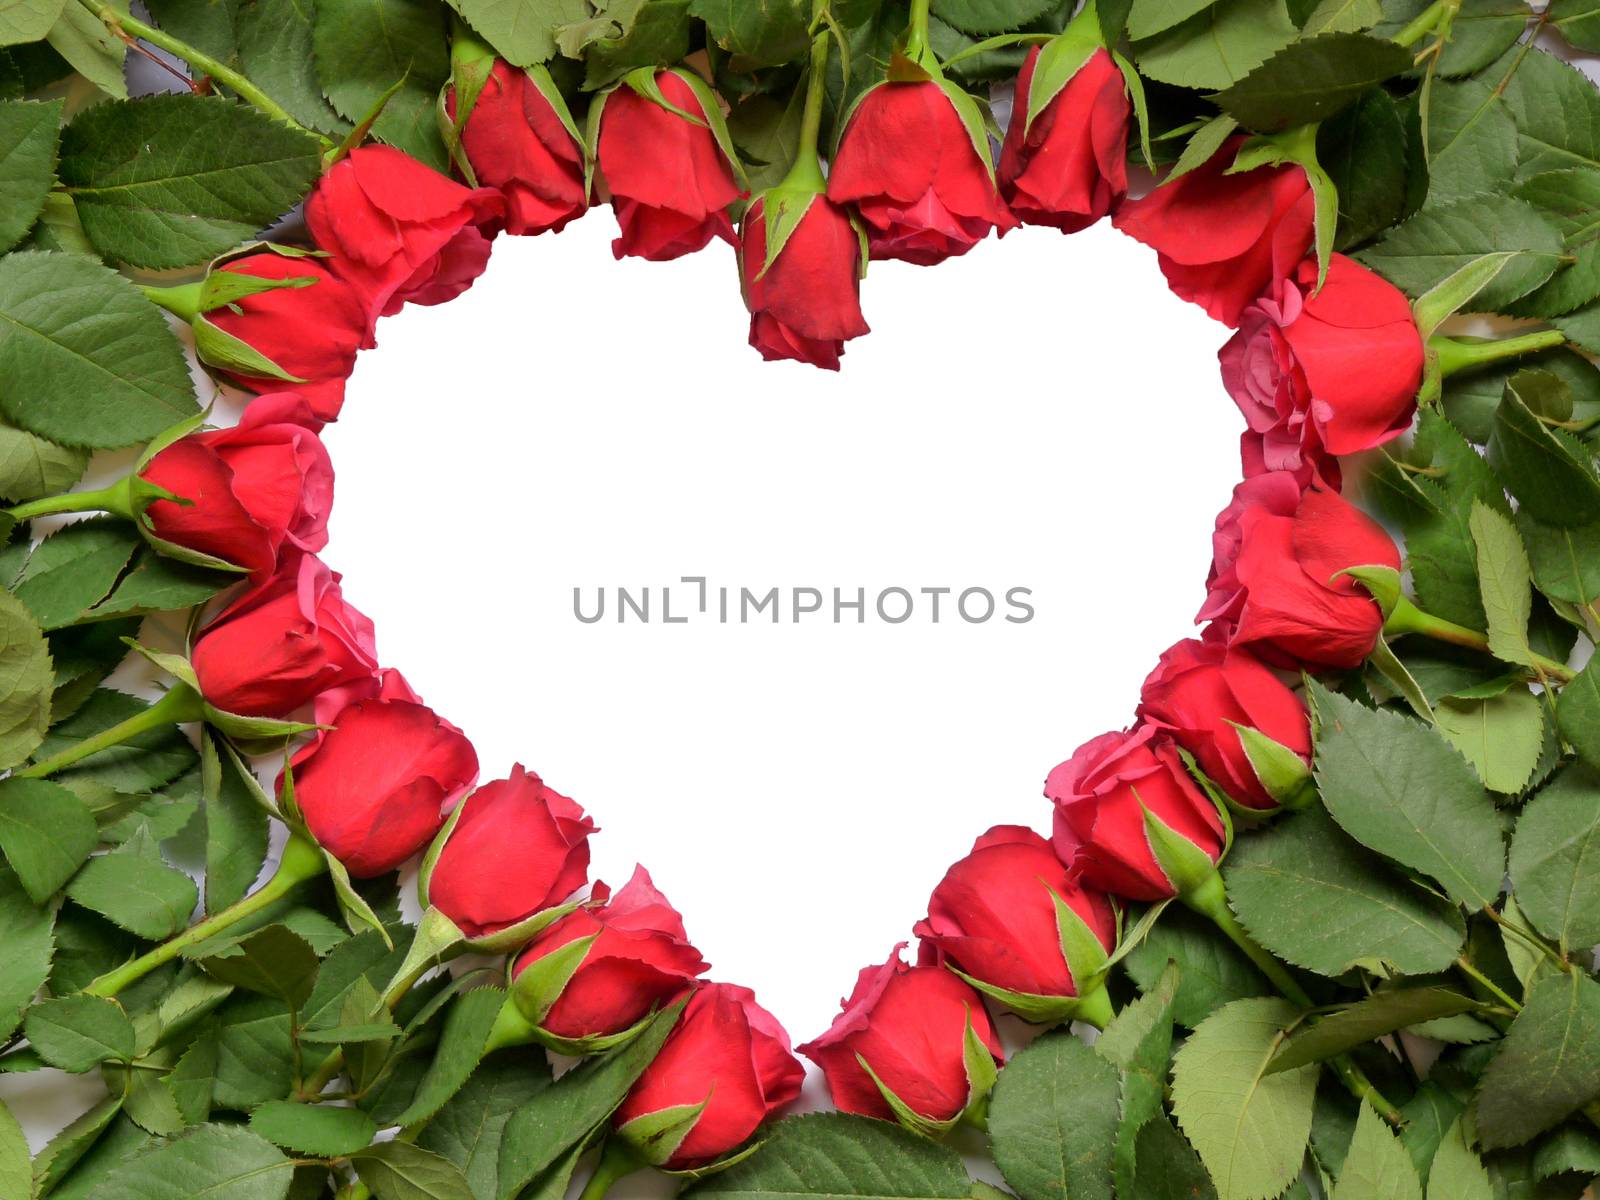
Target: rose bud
[[1277, 587], [1222, 240], [1224, 707], [245, 492], [374, 789], [513, 849], [1334, 369], [918, 173], [599, 971], [724, 1069], [804, 301], [518, 141], [399, 231], [670, 178], [285, 643], [1102, 794], [310, 332], [1067, 165], [1011, 920], [912, 1044]]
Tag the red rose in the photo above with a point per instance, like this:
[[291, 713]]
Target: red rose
[[1332, 371], [1202, 690], [375, 788], [994, 914], [517, 848], [311, 332], [1276, 590], [1275, 491], [517, 143], [805, 304], [1069, 166], [250, 490], [1100, 794], [399, 231], [726, 1052], [909, 1026], [1222, 239], [638, 959], [285, 644], [908, 162], [670, 181]]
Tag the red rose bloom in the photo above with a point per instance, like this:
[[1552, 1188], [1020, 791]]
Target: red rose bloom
[[311, 332], [518, 848], [1202, 690], [250, 490], [908, 163], [670, 182], [518, 144], [1277, 593], [1100, 794], [375, 788], [1070, 165], [726, 1052], [910, 1026], [399, 231], [1275, 491], [639, 960], [994, 914], [288, 642], [805, 304], [1223, 240], [1332, 371]]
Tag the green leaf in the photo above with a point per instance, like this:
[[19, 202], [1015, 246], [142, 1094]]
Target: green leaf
[[1548, 1065], [1555, 858], [275, 52], [319, 1129], [217, 1162], [76, 1033], [461, 1047], [1377, 1167], [1364, 151], [1398, 788], [143, 763], [566, 1114], [1568, 1149], [469, 1129], [26, 947], [23, 21], [146, 897], [772, 31], [83, 40], [75, 568], [400, 1171], [1168, 1167], [1149, 17], [85, 359], [1312, 79], [1472, 140], [827, 1155], [1501, 736], [26, 682], [1578, 712], [1578, 21], [1551, 476], [28, 131], [1211, 970], [1442, 239], [1565, 560], [1569, 199], [1557, 111], [254, 1052], [1506, 584], [272, 962], [46, 832], [171, 181], [1250, 1128], [1219, 46], [236, 830], [1342, 16], [64, 1151], [1053, 1120], [365, 47], [31, 467], [1457, 1172], [981, 16], [1367, 1020], [1139, 1042], [16, 1171], [521, 30]]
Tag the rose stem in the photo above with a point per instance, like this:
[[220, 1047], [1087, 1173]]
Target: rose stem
[[1457, 354], [181, 703], [301, 860], [113, 499], [616, 1161], [1408, 618]]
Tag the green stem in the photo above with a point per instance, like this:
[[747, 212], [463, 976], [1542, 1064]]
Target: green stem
[[114, 499], [181, 300], [1470, 354], [1095, 1008], [301, 860], [1210, 900], [1422, 26], [917, 31], [616, 1162], [181, 703], [510, 1028], [126, 23], [1464, 965], [807, 171], [1408, 618]]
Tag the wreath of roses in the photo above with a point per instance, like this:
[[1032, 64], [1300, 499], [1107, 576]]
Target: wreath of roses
[[1370, 784]]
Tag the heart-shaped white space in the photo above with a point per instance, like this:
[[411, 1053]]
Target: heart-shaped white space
[[1040, 414]]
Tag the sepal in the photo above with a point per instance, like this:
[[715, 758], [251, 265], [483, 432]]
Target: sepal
[[1279, 769], [655, 1137], [1187, 867], [538, 985]]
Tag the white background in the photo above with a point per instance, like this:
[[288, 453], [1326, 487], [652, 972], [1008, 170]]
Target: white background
[[1040, 413]]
